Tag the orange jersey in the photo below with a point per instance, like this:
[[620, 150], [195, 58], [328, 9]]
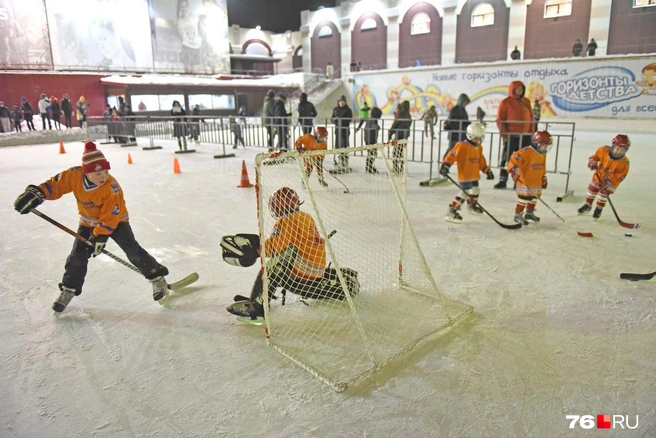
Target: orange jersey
[[532, 166], [309, 143], [298, 229], [470, 161], [608, 168], [101, 208]]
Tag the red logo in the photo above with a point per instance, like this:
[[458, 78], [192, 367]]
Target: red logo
[[603, 421]]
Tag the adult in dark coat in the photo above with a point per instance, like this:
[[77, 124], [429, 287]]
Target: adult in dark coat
[[179, 123], [280, 121], [67, 109], [28, 114], [400, 130], [267, 117], [341, 118], [577, 48], [306, 113], [457, 122], [592, 47]]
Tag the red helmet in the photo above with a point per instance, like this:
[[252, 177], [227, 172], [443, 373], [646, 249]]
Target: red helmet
[[622, 140], [283, 202], [320, 131], [542, 141]]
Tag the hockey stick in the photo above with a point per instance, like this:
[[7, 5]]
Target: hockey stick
[[173, 286], [580, 233], [341, 182], [637, 277], [506, 226], [619, 221]]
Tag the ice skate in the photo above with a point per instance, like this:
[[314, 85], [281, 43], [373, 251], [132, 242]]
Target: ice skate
[[519, 219], [453, 216], [65, 297], [585, 208], [597, 213], [246, 309], [159, 288], [530, 216], [500, 185], [323, 183], [475, 208]]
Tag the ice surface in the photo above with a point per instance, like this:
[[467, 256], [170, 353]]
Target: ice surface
[[555, 331]]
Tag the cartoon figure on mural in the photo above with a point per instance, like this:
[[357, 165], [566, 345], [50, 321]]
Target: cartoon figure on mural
[[536, 91], [648, 81]]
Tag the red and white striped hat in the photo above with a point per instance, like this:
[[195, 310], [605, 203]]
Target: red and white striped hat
[[92, 159]]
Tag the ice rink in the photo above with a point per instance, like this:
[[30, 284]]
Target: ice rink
[[555, 332]]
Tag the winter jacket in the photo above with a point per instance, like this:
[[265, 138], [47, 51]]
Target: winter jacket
[[66, 106], [342, 116], [55, 110], [44, 104], [179, 128], [400, 128], [28, 112], [515, 115], [280, 113], [457, 122], [306, 111], [16, 116], [267, 111], [4, 112]]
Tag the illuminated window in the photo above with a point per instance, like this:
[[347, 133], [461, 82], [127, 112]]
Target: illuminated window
[[420, 24], [212, 101], [483, 15], [643, 3], [557, 8], [325, 31], [368, 24]]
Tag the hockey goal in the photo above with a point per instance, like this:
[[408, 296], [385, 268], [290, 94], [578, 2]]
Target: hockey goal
[[392, 305]]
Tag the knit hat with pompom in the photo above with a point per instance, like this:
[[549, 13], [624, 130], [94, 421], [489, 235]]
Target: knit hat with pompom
[[92, 159]]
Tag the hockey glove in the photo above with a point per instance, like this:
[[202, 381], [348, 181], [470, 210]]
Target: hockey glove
[[592, 164], [444, 169], [515, 173], [544, 182], [31, 198], [606, 187], [98, 243], [490, 175]]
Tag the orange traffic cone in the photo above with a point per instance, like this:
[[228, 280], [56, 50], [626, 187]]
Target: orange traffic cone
[[245, 182], [129, 159], [176, 166], [61, 147]]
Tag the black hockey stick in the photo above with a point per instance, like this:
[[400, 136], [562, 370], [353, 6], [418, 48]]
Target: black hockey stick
[[612, 207], [341, 182], [506, 226], [173, 286], [637, 277]]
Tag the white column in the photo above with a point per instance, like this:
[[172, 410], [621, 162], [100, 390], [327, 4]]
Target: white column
[[517, 27], [449, 30], [393, 38], [345, 38], [599, 24]]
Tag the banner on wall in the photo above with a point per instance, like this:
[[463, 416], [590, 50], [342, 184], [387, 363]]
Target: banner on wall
[[24, 41], [617, 87], [100, 34], [190, 36]]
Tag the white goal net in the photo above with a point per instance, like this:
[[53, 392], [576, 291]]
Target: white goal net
[[392, 303]]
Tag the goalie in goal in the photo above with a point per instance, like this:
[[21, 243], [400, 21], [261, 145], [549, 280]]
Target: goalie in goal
[[296, 255]]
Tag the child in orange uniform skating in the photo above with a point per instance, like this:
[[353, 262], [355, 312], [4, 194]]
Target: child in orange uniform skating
[[469, 156], [527, 167], [316, 142], [611, 166]]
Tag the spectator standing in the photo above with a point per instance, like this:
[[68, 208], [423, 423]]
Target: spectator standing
[[267, 117], [17, 118], [28, 113], [430, 119], [537, 111], [5, 118], [306, 113], [330, 71], [195, 124], [44, 104], [129, 124], [577, 48], [400, 130], [364, 115], [516, 125], [242, 115], [515, 54], [81, 114], [55, 111], [67, 109], [341, 118], [236, 133], [457, 122], [280, 120], [592, 47], [179, 128]]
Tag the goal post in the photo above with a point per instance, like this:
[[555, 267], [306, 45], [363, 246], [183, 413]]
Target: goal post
[[377, 299]]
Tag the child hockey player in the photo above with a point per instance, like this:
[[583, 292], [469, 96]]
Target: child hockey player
[[103, 214], [610, 166], [469, 156], [527, 167], [297, 257], [316, 142]]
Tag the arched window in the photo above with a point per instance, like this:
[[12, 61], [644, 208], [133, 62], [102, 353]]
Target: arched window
[[641, 3], [420, 24], [368, 24], [325, 31], [482, 15], [557, 8]]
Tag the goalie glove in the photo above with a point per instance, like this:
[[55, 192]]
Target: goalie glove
[[544, 182], [444, 169], [592, 164], [515, 173], [31, 198], [240, 249]]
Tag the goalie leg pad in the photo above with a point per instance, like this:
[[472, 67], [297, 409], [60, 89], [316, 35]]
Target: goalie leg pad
[[240, 249], [327, 287]]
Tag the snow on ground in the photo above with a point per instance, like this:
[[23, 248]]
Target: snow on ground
[[555, 331]]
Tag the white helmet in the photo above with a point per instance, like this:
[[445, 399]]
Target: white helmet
[[476, 130]]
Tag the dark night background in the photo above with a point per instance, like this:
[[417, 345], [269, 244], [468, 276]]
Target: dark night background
[[273, 15]]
